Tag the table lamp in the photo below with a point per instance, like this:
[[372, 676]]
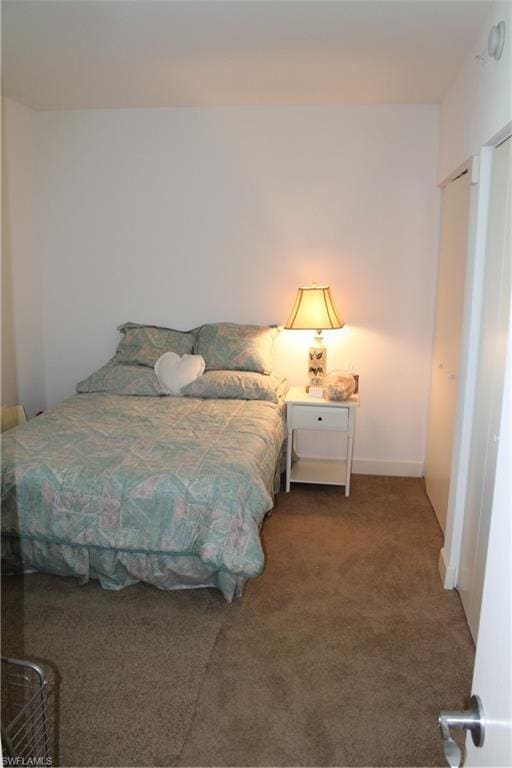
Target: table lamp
[[314, 310]]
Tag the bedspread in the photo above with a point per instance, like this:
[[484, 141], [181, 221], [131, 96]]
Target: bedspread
[[159, 476]]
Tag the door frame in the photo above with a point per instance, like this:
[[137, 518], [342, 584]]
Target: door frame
[[480, 168]]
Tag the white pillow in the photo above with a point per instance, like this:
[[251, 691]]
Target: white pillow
[[174, 372]]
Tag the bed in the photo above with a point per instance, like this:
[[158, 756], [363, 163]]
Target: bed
[[125, 487]]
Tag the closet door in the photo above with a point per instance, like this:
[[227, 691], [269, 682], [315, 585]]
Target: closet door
[[494, 331], [451, 277]]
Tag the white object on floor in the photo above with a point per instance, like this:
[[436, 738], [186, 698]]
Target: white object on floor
[[174, 372]]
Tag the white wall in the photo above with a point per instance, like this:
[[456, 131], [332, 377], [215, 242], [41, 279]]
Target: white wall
[[9, 377], [183, 216], [479, 103], [22, 359]]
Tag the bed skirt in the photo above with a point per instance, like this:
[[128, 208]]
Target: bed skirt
[[115, 569]]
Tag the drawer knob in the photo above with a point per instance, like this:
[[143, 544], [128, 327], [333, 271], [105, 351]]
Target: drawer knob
[[319, 418]]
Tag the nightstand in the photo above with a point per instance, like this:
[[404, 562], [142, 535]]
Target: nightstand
[[315, 413]]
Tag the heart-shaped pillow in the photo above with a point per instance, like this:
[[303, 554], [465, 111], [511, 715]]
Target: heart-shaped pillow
[[174, 372]]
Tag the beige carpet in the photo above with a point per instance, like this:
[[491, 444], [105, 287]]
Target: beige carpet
[[340, 654]]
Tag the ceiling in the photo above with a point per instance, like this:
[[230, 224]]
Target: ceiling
[[66, 54]]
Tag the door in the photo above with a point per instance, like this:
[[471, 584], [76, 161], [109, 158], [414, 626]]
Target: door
[[489, 390], [447, 341], [493, 673]]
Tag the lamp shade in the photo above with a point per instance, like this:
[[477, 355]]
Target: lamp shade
[[314, 309]]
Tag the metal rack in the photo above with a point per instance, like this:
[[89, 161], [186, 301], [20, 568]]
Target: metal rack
[[25, 721]]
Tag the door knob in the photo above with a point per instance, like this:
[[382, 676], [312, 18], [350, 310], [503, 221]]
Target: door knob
[[452, 751], [471, 719]]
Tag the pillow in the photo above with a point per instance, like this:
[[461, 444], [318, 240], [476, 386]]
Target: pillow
[[232, 347], [174, 372], [237, 385], [144, 344], [122, 380]]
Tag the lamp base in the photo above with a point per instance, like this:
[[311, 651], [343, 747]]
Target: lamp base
[[317, 362]]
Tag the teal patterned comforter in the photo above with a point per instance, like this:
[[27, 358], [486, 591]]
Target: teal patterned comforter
[[157, 477]]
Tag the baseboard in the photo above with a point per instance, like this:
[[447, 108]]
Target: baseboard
[[447, 572], [394, 468]]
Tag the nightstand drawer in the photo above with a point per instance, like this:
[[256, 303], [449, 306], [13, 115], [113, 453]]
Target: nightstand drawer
[[319, 417]]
